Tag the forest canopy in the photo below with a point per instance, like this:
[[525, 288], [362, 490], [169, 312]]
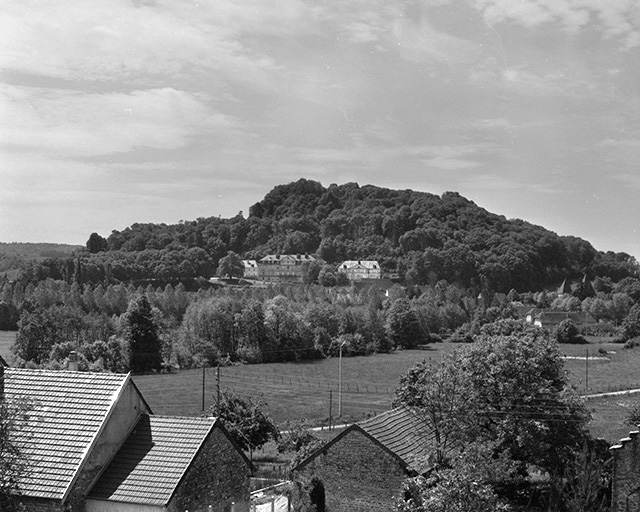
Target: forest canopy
[[418, 238]]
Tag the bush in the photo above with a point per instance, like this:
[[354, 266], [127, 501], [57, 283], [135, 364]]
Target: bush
[[567, 332], [632, 343]]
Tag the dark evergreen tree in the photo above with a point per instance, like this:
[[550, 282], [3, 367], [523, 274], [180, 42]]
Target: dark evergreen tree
[[141, 333]]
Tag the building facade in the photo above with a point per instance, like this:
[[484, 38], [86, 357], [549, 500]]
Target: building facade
[[362, 468], [357, 270], [93, 443], [284, 267]]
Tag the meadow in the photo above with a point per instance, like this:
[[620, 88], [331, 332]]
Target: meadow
[[309, 390]]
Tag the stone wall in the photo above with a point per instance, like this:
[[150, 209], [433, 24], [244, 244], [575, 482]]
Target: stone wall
[[625, 490], [42, 505], [358, 474], [218, 477]]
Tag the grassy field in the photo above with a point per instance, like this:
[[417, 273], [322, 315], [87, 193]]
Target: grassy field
[[6, 340], [309, 389], [291, 390], [296, 390]]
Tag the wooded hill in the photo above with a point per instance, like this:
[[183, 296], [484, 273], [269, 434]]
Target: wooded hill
[[419, 237]]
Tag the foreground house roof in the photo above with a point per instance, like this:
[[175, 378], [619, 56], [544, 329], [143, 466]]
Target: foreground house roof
[[71, 409], [402, 432], [151, 463]]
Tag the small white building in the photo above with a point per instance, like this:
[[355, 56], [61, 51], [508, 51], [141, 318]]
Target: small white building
[[360, 269], [250, 269]]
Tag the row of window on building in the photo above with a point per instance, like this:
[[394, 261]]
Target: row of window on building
[[292, 267]]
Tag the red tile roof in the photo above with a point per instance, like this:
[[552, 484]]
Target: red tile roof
[[152, 461], [404, 433], [70, 410]]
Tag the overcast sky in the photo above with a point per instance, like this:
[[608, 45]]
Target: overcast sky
[[115, 112]]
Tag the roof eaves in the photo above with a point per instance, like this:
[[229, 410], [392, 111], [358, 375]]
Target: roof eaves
[[94, 441]]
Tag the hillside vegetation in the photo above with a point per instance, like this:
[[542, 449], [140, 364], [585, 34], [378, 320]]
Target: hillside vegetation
[[418, 238]]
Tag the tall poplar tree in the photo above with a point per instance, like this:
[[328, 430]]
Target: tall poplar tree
[[141, 334]]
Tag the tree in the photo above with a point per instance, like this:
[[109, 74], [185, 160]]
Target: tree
[[14, 418], [437, 392], [466, 485], [403, 325], [631, 325], [300, 440], [141, 333], [96, 243], [567, 332], [231, 266], [246, 421], [514, 392]]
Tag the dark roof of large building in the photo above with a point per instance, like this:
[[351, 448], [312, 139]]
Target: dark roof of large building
[[70, 409], [152, 461], [401, 432]]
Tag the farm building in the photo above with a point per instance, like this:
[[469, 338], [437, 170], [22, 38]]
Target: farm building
[[94, 445], [552, 318], [625, 485], [363, 467]]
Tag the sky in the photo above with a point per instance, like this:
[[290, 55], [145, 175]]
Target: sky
[[116, 112]]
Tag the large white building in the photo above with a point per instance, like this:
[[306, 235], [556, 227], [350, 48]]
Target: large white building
[[284, 267], [360, 269]]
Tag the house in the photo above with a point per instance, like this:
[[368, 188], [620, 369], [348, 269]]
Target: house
[[625, 484], [360, 269], [94, 445], [284, 267], [363, 467], [250, 269], [552, 318]]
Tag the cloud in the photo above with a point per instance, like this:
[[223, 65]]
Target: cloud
[[616, 19], [120, 40], [77, 124]]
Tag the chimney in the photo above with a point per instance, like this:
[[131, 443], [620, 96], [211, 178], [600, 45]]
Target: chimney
[[73, 361], [1, 382]]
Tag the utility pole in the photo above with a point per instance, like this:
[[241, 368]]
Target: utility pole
[[218, 391], [586, 384], [340, 381], [330, 407], [203, 380]]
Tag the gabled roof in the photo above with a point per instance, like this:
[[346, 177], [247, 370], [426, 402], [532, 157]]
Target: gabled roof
[[368, 264], [401, 432], [153, 460], [71, 408], [287, 258]]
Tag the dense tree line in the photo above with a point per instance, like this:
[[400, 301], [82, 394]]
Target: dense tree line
[[212, 326], [419, 237]]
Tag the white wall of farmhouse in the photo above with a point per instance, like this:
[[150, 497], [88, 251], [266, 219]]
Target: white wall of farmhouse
[[114, 506]]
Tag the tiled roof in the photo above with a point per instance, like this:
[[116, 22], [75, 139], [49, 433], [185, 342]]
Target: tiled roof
[[403, 432], [152, 461], [70, 408], [369, 264]]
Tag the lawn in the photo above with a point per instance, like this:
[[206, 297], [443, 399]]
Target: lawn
[[302, 390], [291, 390], [6, 340]]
